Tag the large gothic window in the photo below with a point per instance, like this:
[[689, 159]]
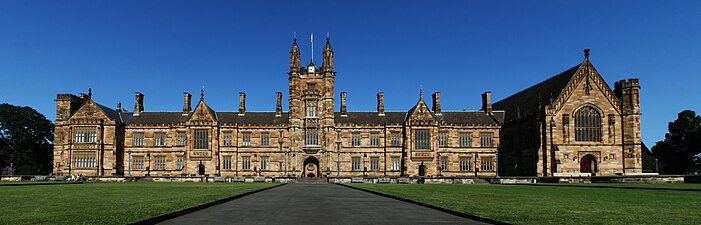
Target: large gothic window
[[587, 124]]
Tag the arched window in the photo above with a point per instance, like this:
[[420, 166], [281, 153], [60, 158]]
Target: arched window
[[587, 122]]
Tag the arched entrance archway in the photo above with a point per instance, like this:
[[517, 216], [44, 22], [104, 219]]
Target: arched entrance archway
[[311, 167], [588, 164], [422, 170], [200, 169]]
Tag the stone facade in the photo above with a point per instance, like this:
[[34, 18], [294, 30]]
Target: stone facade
[[312, 139], [543, 140]]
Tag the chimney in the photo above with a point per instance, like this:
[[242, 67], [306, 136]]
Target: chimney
[[487, 102], [278, 105], [380, 104], [187, 99], [242, 103], [139, 104], [343, 104], [437, 103]]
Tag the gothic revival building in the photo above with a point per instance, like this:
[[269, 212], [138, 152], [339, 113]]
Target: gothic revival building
[[571, 123]]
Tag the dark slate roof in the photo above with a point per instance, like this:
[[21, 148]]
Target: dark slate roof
[[458, 117], [471, 117], [253, 118], [158, 118], [528, 101], [111, 113], [372, 118]]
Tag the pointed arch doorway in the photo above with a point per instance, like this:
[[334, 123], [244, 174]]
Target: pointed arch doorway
[[200, 169], [587, 164], [311, 167]]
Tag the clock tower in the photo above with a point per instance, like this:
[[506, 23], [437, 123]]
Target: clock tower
[[311, 112]]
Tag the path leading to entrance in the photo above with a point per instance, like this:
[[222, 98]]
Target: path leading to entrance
[[317, 204]]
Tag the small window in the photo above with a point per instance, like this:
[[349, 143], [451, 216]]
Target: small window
[[465, 139], [374, 139], [442, 139], [486, 139], [160, 139], [138, 139], [182, 138], [444, 163], [228, 138], [374, 163], [264, 138], [311, 87], [311, 109], [487, 163], [355, 166], [355, 139], [180, 163], [264, 162], [226, 164], [137, 162], [246, 163], [395, 163], [395, 139], [465, 163], [159, 163], [246, 139]]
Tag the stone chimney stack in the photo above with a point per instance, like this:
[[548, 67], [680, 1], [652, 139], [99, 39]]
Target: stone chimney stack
[[380, 104], [242, 103], [278, 105], [187, 100], [437, 103], [139, 104], [343, 104], [487, 102]]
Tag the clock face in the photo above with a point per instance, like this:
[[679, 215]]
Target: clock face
[[311, 69]]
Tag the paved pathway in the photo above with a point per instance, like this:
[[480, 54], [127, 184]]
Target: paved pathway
[[317, 204]]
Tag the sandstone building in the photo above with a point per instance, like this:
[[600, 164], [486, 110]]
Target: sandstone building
[[572, 123]]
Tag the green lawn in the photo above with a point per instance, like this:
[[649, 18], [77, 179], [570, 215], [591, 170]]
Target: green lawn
[[108, 203], [520, 204]]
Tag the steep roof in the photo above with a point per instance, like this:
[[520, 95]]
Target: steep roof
[[529, 101], [253, 118], [159, 118], [370, 118], [111, 113], [471, 117]]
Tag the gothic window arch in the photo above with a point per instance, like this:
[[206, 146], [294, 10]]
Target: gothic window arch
[[587, 124]]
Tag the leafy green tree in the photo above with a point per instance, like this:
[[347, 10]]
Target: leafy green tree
[[679, 151], [26, 140]]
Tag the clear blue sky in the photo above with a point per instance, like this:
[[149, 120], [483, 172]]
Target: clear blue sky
[[460, 48]]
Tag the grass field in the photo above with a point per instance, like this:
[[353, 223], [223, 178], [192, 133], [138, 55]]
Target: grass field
[[520, 204], [108, 203]]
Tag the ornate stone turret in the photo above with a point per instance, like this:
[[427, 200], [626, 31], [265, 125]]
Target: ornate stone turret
[[294, 56], [628, 91], [327, 64]]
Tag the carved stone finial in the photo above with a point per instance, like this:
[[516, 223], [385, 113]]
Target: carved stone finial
[[202, 93], [586, 53]]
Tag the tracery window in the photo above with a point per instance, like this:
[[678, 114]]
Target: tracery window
[[587, 122]]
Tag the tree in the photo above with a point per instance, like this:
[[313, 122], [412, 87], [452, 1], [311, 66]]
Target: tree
[[26, 140], [679, 151]]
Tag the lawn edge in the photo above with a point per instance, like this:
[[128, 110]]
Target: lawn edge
[[612, 187], [452, 212], [161, 218]]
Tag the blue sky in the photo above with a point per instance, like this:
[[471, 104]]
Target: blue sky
[[460, 48]]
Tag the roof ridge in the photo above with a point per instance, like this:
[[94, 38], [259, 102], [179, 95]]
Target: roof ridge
[[539, 83]]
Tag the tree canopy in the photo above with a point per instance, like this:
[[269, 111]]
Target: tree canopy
[[26, 140], [679, 151]]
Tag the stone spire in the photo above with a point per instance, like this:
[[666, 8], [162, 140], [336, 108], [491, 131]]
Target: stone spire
[[294, 56], [327, 64]]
